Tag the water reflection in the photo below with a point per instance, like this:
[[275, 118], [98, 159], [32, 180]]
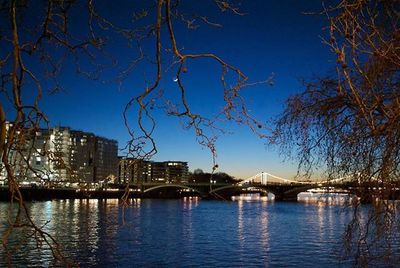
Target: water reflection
[[326, 197], [240, 222], [254, 197], [188, 204], [253, 231], [264, 226], [186, 232]]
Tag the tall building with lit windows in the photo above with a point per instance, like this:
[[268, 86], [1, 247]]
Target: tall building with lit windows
[[28, 157], [82, 156], [139, 171], [62, 155], [134, 170], [170, 171], [176, 171]]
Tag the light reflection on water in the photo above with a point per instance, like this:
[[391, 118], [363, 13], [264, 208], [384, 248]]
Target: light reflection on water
[[186, 232], [327, 198], [254, 197]]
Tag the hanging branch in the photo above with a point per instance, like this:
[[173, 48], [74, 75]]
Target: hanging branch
[[349, 124]]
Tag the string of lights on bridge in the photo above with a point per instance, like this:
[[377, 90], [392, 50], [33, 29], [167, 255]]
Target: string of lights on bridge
[[265, 178]]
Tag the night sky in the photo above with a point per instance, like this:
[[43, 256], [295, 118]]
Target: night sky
[[274, 37]]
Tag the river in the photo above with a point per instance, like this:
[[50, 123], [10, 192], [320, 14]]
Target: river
[[187, 233]]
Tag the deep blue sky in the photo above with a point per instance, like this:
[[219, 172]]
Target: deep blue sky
[[273, 37]]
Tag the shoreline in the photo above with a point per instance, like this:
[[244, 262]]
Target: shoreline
[[46, 194]]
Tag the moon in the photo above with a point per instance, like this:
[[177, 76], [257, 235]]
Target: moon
[[175, 79]]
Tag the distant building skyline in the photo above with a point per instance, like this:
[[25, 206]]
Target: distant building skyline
[[131, 170], [62, 154]]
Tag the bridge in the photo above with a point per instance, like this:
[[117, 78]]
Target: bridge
[[264, 178], [263, 182]]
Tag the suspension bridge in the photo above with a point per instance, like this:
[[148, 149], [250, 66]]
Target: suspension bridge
[[265, 178], [263, 182]]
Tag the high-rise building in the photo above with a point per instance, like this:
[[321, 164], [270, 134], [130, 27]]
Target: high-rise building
[[82, 156], [28, 156], [158, 172], [63, 155], [176, 171], [134, 170], [105, 159]]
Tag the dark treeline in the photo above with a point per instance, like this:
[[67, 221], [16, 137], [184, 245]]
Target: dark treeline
[[198, 176]]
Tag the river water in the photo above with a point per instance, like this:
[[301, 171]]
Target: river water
[[186, 233]]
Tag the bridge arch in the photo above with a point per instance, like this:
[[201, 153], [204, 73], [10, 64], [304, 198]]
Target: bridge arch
[[171, 186], [281, 192]]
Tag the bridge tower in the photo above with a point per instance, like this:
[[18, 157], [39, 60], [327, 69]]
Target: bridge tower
[[264, 178]]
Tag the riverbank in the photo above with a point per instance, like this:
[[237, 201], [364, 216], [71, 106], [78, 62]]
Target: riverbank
[[44, 194]]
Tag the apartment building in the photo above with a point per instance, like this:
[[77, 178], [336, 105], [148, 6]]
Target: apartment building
[[62, 155], [139, 171], [134, 170]]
